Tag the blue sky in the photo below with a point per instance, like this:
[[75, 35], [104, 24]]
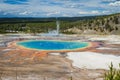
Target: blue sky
[[57, 8]]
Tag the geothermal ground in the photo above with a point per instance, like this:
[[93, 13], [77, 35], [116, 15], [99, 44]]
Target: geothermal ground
[[23, 64]]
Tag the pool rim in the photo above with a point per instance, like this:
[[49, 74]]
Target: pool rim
[[62, 50]]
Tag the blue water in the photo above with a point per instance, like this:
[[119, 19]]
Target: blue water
[[52, 45]]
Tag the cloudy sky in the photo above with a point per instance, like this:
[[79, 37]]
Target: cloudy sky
[[57, 8]]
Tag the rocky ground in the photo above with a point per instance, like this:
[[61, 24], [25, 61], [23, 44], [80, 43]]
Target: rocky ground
[[20, 64]]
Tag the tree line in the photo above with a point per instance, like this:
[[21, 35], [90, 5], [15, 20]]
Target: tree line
[[100, 24]]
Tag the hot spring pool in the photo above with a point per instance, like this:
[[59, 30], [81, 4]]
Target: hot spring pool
[[52, 45]]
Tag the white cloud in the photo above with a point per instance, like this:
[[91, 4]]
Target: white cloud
[[105, 12], [52, 13], [42, 8], [95, 12], [117, 3], [66, 15], [83, 12], [24, 13], [89, 12]]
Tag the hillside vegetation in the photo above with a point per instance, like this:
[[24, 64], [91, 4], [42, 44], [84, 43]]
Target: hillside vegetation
[[107, 24]]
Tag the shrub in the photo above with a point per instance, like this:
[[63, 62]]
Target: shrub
[[112, 74]]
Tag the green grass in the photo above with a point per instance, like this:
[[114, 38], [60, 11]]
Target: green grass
[[112, 74]]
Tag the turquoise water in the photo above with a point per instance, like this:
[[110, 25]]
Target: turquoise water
[[52, 45]]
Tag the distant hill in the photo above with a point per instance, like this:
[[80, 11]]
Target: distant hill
[[30, 19], [109, 24], [105, 24]]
